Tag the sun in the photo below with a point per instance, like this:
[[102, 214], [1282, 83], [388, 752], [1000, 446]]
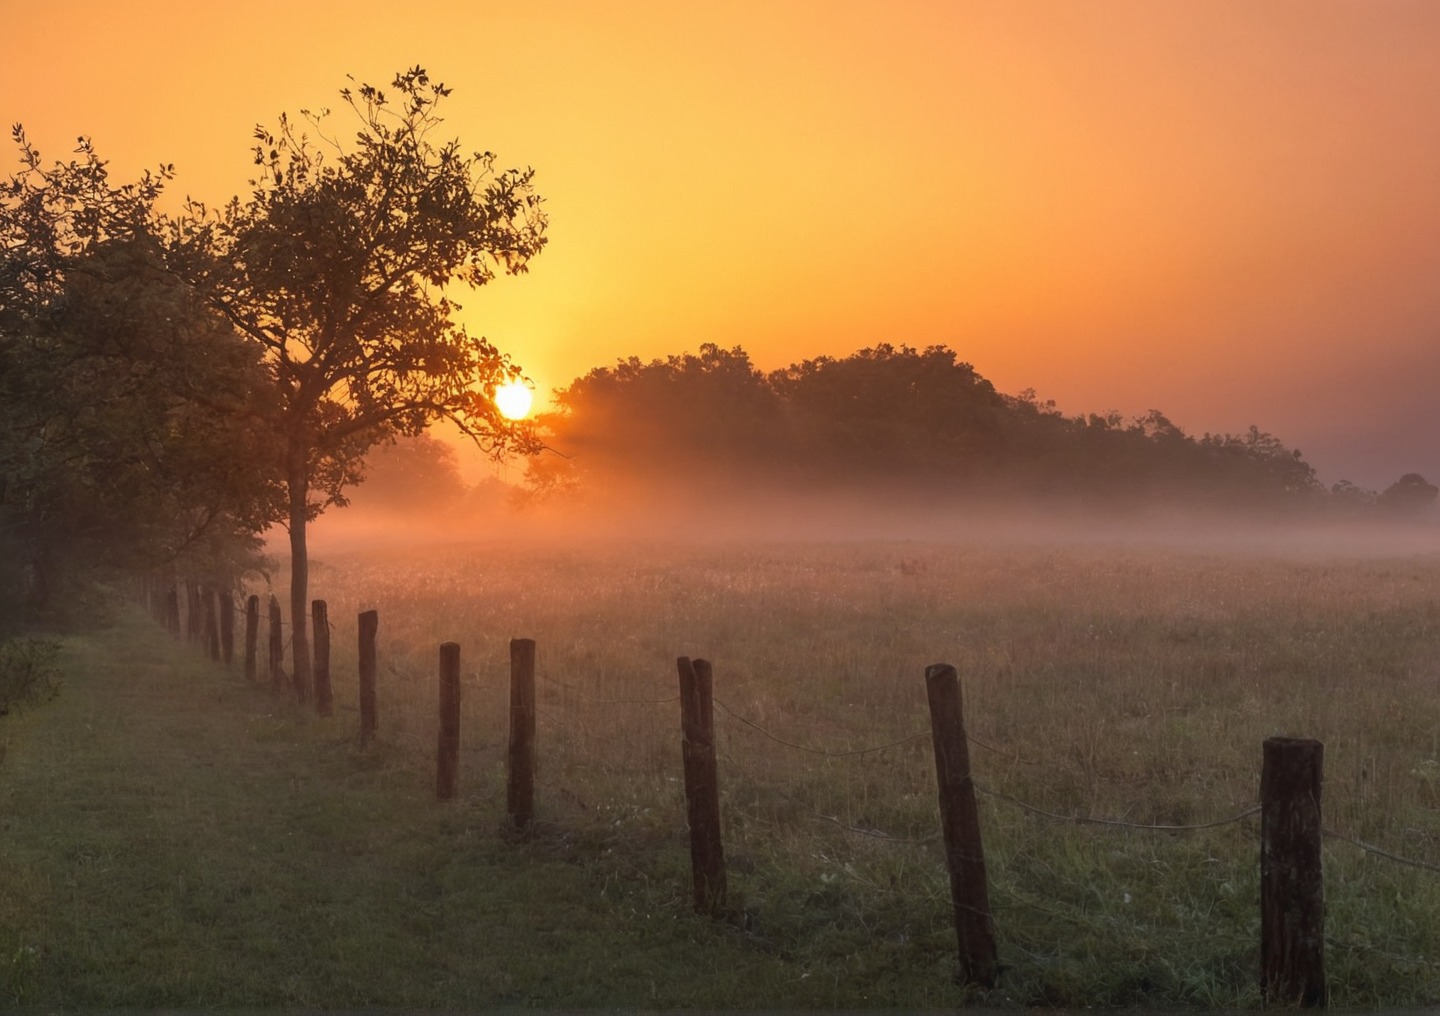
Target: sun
[[513, 400]]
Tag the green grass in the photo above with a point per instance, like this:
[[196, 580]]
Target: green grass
[[174, 838]]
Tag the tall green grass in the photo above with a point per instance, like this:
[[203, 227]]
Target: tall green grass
[[1123, 682]]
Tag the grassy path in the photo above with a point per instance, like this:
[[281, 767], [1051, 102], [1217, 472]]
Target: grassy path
[[171, 837]]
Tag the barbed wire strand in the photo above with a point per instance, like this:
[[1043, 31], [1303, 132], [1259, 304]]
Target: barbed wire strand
[[1114, 822], [608, 702], [1371, 849], [818, 751]]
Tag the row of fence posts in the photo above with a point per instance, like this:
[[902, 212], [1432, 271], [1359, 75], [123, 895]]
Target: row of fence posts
[[1291, 884]]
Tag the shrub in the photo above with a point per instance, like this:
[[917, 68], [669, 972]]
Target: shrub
[[27, 672]]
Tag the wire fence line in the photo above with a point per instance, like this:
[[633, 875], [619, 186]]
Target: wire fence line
[[882, 836]]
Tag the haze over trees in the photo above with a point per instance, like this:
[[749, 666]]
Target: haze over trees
[[912, 423]]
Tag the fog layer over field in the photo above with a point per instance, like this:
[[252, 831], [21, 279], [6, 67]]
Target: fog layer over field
[[684, 515]]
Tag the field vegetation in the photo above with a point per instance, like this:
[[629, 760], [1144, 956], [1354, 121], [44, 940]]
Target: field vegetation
[[1112, 679]]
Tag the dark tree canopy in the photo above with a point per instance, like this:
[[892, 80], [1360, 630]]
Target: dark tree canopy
[[890, 418], [337, 266], [129, 431]]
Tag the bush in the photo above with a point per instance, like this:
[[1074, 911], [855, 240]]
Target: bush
[[27, 672]]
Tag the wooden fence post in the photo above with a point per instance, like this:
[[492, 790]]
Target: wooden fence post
[[702, 784], [447, 753], [212, 623], [520, 784], [277, 647], [1292, 895], [960, 821], [227, 628], [252, 634], [320, 671], [369, 625], [193, 628]]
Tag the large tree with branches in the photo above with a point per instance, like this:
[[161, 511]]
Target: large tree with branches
[[339, 264]]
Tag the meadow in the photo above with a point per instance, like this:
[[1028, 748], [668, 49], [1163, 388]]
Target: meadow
[[1120, 679]]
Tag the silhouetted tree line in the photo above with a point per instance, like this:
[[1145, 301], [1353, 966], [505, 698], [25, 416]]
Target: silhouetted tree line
[[173, 384], [896, 417]]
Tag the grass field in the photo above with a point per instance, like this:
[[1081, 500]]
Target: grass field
[[189, 841]]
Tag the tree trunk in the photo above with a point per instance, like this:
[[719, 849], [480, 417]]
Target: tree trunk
[[298, 481]]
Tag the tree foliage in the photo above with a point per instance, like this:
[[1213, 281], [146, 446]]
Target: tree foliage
[[889, 418], [337, 266], [127, 428]]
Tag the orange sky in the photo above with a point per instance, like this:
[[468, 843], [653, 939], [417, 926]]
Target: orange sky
[[1223, 209]]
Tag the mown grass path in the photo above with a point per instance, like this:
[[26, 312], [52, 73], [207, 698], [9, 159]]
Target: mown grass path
[[170, 837]]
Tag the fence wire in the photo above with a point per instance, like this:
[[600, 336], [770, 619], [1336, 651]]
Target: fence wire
[[1025, 806]]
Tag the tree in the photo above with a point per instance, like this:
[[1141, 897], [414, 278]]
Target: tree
[[1408, 497], [707, 417], [336, 267], [125, 435], [419, 474]]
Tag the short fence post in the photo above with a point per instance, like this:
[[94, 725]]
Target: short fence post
[[212, 624], [520, 785], [227, 628], [277, 647], [702, 784], [320, 672], [252, 634], [1292, 893], [369, 625], [447, 754], [960, 821]]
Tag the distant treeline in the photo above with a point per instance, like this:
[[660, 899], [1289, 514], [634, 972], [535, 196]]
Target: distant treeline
[[909, 419]]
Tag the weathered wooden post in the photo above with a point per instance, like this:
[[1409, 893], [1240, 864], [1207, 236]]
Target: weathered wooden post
[[960, 822], [447, 753], [227, 628], [212, 623], [172, 611], [1292, 895], [369, 625], [520, 783], [252, 634], [193, 625], [702, 784], [320, 635], [277, 647]]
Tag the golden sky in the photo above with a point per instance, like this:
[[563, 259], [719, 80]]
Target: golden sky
[[1227, 210]]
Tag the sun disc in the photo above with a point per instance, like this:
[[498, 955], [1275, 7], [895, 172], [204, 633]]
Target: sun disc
[[513, 400]]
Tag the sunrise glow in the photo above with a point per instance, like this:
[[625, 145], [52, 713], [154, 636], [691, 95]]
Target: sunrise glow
[[514, 400], [1224, 211]]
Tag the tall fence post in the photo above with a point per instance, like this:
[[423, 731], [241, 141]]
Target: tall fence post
[[277, 647], [369, 625], [252, 634], [960, 821], [227, 628], [1292, 894], [320, 644], [702, 784], [520, 783], [447, 752], [212, 623], [193, 626]]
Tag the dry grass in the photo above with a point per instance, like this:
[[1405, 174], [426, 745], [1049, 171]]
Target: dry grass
[[1124, 681]]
